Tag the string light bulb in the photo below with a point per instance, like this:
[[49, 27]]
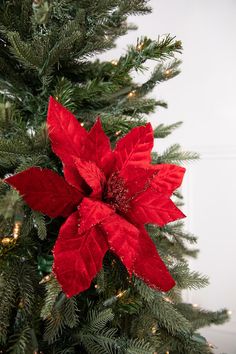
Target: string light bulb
[[9, 240], [140, 46], [154, 330], [167, 299], [118, 132], [82, 124], [114, 298], [114, 62], [168, 72], [120, 294], [210, 345], [6, 241], [132, 94], [46, 279], [195, 305], [16, 229], [229, 312]]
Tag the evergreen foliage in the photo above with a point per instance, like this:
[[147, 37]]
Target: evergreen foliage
[[49, 48]]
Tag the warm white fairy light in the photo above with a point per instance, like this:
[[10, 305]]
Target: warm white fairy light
[[114, 62], [210, 345], [45, 279], [154, 330], [140, 46], [120, 294], [167, 299], [229, 312], [9, 240], [118, 132], [6, 241], [132, 94], [16, 229], [168, 72], [82, 124], [195, 305]]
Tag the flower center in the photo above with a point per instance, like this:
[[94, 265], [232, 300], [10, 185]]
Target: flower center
[[116, 193]]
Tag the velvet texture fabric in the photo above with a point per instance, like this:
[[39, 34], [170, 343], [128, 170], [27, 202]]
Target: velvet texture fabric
[[106, 197]]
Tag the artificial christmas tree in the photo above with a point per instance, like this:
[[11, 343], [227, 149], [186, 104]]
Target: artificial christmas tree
[[118, 275]]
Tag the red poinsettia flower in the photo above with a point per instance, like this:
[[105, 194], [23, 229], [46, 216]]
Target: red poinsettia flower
[[107, 197]]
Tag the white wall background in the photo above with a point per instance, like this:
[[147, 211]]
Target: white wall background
[[203, 96]]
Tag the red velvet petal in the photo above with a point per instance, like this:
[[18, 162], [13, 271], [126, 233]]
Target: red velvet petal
[[150, 267], [123, 239], [65, 132], [153, 207], [168, 178], [92, 212], [46, 191], [135, 148], [137, 179], [98, 148], [69, 231], [77, 259], [163, 178], [92, 175], [73, 177]]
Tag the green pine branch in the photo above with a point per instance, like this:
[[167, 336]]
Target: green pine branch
[[174, 154], [187, 279], [202, 318], [147, 49], [161, 73], [162, 130]]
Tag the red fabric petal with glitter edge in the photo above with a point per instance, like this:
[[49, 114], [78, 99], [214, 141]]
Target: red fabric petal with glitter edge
[[163, 178], [92, 175], [92, 212], [135, 148], [46, 191], [153, 207], [137, 179], [65, 132], [77, 259], [98, 148], [123, 239], [150, 267], [73, 177], [168, 178]]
